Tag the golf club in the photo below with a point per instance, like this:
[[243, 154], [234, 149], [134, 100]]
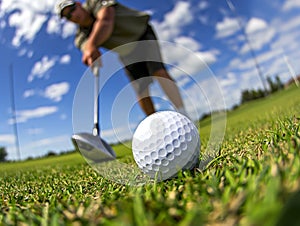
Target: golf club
[[91, 146]]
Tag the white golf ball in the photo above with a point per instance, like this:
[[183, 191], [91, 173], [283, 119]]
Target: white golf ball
[[165, 143]]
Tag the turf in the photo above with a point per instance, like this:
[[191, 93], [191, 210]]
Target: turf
[[254, 180]]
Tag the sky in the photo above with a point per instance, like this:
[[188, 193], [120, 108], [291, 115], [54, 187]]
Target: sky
[[209, 47]]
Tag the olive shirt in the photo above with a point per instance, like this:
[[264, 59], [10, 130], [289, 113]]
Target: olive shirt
[[129, 25]]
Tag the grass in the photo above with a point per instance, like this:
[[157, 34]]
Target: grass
[[254, 180]]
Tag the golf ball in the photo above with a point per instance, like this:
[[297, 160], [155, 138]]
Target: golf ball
[[165, 143]]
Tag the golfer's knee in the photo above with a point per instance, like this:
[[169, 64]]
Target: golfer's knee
[[162, 73]]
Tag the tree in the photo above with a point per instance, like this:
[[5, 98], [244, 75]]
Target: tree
[[275, 85], [280, 85], [246, 96], [3, 154], [272, 85]]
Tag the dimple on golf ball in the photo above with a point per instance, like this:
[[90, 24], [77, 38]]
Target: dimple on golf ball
[[165, 143]]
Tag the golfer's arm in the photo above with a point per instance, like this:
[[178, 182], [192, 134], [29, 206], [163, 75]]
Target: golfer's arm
[[103, 26]]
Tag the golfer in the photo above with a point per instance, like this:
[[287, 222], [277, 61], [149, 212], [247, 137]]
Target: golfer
[[109, 24]]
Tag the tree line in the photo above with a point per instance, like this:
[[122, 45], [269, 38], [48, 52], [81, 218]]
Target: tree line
[[274, 86], [3, 154]]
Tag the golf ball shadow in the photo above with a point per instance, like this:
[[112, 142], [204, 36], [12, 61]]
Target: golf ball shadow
[[102, 158]]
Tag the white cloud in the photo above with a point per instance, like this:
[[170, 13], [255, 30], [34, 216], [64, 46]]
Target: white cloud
[[259, 34], [186, 61], [203, 97], [35, 131], [279, 36], [53, 25], [25, 51], [289, 25], [191, 59], [259, 39], [41, 67], [29, 93], [53, 92], [22, 21], [209, 57], [203, 19], [40, 112], [229, 80], [291, 4], [288, 36], [56, 91], [268, 56], [203, 5], [65, 59], [188, 42], [27, 17], [243, 64], [248, 64], [22, 52], [183, 80], [180, 15], [227, 27], [2, 24], [173, 21], [68, 29], [45, 143], [7, 139], [63, 117], [255, 24]]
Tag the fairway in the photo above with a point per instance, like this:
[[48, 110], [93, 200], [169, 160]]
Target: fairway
[[254, 180]]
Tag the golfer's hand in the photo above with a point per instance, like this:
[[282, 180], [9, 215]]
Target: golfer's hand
[[90, 54]]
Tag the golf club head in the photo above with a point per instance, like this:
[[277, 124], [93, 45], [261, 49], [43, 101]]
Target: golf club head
[[93, 148]]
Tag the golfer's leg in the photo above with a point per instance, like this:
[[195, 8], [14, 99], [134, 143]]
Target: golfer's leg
[[145, 102], [169, 87]]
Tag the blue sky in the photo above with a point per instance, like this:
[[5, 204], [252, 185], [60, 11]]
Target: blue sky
[[47, 68]]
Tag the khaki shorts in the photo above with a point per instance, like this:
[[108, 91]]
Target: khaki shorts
[[141, 72]]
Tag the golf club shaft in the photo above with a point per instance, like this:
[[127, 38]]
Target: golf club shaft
[[96, 128]]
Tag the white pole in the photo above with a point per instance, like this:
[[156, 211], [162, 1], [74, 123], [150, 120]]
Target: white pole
[[291, 69], [13, 108]]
